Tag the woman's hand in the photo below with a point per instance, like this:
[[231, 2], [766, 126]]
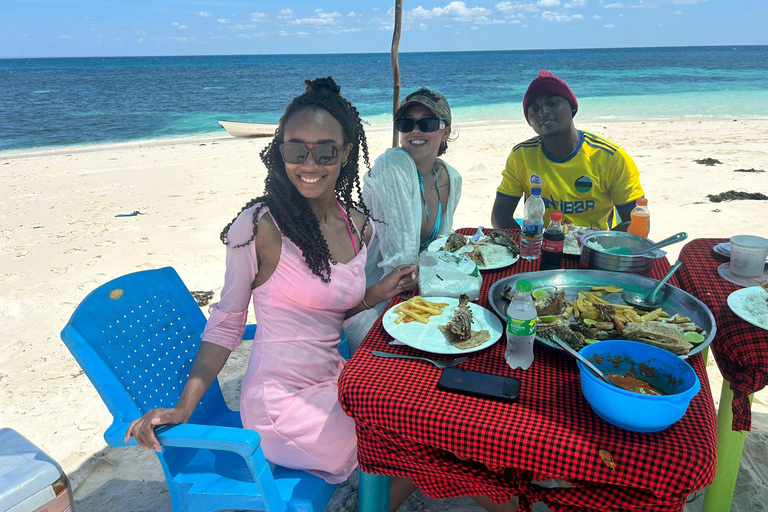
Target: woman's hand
[[403, 278], [143, 429]]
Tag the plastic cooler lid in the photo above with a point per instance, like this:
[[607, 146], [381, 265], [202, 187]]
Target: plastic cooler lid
[[25, 470]]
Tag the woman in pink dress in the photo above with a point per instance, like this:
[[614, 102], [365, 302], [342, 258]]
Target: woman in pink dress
[[299, 252]]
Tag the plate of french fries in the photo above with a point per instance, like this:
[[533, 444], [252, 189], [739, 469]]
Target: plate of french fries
[[415, 323]]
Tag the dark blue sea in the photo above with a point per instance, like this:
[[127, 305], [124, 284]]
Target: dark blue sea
[[56, 102]]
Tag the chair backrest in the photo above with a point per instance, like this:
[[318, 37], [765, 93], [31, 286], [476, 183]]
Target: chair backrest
[[136, 338]]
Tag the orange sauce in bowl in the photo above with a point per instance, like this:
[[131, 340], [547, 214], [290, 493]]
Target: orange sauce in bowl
[[633, 384]]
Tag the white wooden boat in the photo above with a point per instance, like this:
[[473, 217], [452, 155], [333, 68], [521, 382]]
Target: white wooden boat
[[242, 129]]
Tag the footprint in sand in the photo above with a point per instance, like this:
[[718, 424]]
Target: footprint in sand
[[93, 261], [142, 240], [10, 277], [21, 254], [61, 270], [145, 266], [76, 249], [105, 243]]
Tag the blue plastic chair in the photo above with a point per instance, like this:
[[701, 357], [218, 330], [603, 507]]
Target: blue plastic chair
[[135, 338]]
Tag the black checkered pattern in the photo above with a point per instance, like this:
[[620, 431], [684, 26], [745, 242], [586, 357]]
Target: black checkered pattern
[[740, 349], [454, 445]]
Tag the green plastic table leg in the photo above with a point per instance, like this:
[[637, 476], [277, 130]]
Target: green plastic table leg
[[373, 493], [719, 495], [705, 355]]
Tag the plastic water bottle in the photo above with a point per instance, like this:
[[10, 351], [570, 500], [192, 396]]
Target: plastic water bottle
[[533, 226], [640, 219], [552, 243], [521, 327]]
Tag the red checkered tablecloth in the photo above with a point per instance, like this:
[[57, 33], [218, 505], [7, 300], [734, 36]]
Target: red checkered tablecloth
[[740, 349], [455, 445]]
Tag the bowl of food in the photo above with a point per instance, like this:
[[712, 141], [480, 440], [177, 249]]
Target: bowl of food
[[602, 250], [654, 389]]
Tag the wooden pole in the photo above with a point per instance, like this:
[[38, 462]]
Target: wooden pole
[[396, 65]]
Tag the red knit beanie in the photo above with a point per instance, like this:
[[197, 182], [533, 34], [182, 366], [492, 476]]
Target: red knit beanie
[[547, 83]]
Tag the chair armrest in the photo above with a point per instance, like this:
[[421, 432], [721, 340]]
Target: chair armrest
[[187, 435]]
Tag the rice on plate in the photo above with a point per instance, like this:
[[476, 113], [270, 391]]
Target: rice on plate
[[756, 306]]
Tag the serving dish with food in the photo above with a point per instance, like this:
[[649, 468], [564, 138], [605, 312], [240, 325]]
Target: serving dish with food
[[573, 235], [585, 305], [751, 304], [442, 325], [495, 250]]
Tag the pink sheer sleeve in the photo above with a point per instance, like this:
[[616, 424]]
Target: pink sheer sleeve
[[226, 322]]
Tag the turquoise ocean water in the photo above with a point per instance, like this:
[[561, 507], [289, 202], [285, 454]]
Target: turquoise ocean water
[[57, 102]]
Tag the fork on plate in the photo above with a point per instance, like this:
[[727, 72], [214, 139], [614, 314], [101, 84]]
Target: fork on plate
[[436, 362]]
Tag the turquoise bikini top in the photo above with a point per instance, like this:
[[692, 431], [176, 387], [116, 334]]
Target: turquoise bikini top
[[439, 218]]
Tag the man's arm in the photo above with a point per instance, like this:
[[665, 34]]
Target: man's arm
[[624, 211], [503, 212]]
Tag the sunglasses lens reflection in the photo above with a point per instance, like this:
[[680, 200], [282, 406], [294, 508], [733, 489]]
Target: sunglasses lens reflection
[[296, 153]]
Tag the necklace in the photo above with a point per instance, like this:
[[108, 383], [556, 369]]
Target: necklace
[[423, 196]]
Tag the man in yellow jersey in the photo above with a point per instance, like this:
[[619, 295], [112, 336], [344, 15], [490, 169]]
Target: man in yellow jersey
[[580, 174]]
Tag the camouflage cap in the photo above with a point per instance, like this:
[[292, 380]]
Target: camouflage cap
[[434, 101]]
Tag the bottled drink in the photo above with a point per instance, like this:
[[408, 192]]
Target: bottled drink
[[521, 327], [552, 243], [533, 226], [641, 217]]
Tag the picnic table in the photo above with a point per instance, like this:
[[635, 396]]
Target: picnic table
[[545, 447], [741, 353]]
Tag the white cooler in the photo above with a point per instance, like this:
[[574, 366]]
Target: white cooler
[[30, 481]]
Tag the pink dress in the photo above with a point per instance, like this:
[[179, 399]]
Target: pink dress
[[290, 389]]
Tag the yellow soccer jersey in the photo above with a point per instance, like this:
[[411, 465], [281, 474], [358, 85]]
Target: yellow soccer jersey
[[584, 186]]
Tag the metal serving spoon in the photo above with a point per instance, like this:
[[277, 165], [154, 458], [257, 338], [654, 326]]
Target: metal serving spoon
[[628, 251], [583, 359], [651, 301]]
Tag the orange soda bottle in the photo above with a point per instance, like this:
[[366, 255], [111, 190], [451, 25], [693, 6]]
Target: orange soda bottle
[[641, 217]]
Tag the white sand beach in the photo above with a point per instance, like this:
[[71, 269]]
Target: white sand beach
[[60, 238]]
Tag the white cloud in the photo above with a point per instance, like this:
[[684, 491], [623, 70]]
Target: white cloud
[[247, 26], [317, 22], [608, 25], [65, 36], [509, 7], [286, 13], [351, 14], [678, 12], [548, 3], [224, 21], [90, 17], [597, 17], [574, 3], [423, 26], [183, 27], [204, 14], [282, 33], [175, 24], [559, 17], [257, 16], [302, 35], [457, 11], [140, 40]]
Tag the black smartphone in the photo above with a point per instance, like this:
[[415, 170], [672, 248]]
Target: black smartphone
[[481, 384]]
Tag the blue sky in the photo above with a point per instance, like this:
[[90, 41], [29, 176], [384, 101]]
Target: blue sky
[[71, 28]]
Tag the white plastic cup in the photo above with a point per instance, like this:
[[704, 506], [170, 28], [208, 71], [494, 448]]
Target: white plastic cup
[[748, 255]]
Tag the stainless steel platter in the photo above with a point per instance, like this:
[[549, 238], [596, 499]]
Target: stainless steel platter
[[674, 300]]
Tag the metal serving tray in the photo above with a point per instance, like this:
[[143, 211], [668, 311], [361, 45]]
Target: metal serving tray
[[674, 300]]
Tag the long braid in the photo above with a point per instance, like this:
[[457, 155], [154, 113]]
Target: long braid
[[289, 209]]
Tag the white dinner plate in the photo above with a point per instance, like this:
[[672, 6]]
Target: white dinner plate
[[737, 303], [427, 337], [724, 249], [502, 257]]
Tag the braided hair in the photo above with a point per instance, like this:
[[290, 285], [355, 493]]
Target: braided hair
[[288, 207]]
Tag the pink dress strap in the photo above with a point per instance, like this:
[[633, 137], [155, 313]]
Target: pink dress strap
[[349, 228]]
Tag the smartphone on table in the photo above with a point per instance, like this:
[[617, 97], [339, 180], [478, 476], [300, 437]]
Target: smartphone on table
[[486, 385]]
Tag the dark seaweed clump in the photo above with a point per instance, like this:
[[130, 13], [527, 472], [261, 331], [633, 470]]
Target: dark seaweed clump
[[748, 170], [733, 195], [708, 161], [202, 298]]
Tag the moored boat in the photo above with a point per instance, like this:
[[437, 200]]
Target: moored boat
[[243, 129]]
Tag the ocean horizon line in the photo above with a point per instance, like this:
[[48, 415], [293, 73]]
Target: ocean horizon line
[[598, 48]]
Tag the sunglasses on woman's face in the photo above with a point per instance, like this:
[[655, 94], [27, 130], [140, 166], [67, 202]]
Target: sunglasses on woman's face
[[426, 124], [296, 153]]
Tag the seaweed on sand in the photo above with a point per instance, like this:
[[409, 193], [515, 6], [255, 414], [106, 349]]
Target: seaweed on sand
[[708, 161], [733, 195]]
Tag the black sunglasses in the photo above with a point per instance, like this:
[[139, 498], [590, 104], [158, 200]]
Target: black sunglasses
[[296, 153], [426, 124]]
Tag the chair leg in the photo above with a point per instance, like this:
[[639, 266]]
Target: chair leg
[[719, 495], [373, 493]]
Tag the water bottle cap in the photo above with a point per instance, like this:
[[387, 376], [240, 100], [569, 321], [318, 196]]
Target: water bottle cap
[[642, 201], [556, 216], [523, 285], [536, 191]]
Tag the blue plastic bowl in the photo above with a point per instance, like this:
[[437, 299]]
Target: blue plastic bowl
[[633, 411]]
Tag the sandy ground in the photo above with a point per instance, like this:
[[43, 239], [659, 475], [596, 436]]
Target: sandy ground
[[59, 239]]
